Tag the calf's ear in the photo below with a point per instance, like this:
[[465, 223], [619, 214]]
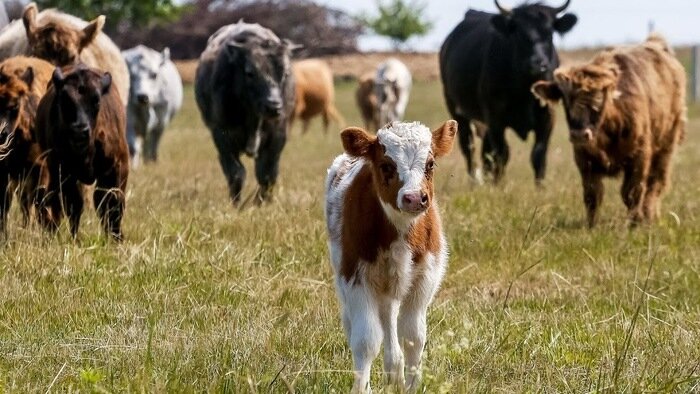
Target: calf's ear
[[565, 23], [165, 55], [546, 92], [106, 82], [443, 138], [29, 19], [357, 142], [91, 31]]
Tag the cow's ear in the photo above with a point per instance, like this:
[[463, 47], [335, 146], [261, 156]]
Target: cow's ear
[[28, 76], [503, 23], [565, 23], [547, 92], [443, 138], [29, 19], [357, 142], [57, 78], [291, 46], [165, 56], [106, 82], [91, 31]]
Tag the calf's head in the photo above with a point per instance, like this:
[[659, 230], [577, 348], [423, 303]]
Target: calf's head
[[530, 28], [402, 158], [56, 42], [262, 66], [78, 96], [15, 93], [586, 91], [145, 70]]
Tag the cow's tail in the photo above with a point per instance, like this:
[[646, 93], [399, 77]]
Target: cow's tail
[[334, 115], [658, 39]]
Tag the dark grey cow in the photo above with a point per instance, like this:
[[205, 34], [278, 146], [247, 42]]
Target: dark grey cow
[[488, 64], [245, 93]]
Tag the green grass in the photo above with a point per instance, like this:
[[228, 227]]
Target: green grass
[[202, 297]]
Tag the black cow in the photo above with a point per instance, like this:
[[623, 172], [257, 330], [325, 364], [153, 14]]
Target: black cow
[[245, 92], [488, 64]]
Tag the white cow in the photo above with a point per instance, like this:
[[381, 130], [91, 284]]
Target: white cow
[[154, 98], [392, 85]]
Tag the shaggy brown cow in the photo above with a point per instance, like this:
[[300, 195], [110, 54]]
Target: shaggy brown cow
[[315, 93], [626, 113], [64, 40], [367, 102], [22, 84], [81, 125]]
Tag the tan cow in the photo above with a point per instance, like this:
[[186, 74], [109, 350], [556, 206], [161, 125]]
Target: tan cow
[[315, 94], [64, 40], [626, 112], [366, 100]]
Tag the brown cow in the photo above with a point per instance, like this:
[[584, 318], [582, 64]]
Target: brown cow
[[315, 93], [63, 40], [626, 113], [81, 125], [366, 100], [22, 84]]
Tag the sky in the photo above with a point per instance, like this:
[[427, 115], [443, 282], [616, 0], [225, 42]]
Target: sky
[[601, 22]]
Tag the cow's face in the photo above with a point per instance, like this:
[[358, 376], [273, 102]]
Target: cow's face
[[262, 67], [58, 43], [78, 97], [586, 92], [402, 157], [531, 27], [14, 89], [145, 71]]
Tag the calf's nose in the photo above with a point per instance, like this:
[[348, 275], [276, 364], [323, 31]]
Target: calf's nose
[[142, 98], [414, 201]]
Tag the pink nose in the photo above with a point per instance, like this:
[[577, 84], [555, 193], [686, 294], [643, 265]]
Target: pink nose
[[414, 201]]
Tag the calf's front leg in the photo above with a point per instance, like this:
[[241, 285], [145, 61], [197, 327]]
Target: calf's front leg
[[633, 189]]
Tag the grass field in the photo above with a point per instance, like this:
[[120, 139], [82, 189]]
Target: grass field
[[202, 297]]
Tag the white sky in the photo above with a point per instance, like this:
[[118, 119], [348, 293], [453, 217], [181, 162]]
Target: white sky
[[600, 21]]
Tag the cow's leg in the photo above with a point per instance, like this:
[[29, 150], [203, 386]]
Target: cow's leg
[[634, 187], [326, 120], [466, 143], [267, 163], [496, 151], [233, 169], [48, 199], [152, 142], [5, 203], [593, 190], [393, 356], [543, 130], [109, 202], [657, 182], [305, 125], [72, 197], [365, 337]]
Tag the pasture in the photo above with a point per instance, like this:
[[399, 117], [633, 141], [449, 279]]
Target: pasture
[[203, 297]]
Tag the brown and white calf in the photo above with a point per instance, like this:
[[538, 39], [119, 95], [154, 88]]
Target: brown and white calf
[[387, 247], [626, 113]]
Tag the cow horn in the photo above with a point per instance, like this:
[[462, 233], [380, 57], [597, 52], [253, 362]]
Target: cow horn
[[563, 7], [504, 10]]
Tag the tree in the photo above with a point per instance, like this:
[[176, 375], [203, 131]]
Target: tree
[[121, 15], [399, 20]]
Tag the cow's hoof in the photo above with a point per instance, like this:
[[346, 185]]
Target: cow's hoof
[[477, 177]]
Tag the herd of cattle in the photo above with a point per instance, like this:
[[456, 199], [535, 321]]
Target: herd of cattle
[[76, 112]]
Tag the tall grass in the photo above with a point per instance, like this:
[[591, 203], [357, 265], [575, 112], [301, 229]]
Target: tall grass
[[202, 297]]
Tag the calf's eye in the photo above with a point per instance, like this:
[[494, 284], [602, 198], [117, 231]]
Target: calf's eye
[[387, 169], [430, 166]]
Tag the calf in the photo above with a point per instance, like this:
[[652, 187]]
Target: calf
[[366, 101], [626, 113], [154, 99], [81, 126], [23, 82], [392, 85], [315, 94], [387, 247]]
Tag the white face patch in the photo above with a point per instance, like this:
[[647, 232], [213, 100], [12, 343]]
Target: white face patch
[[409, 146]]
